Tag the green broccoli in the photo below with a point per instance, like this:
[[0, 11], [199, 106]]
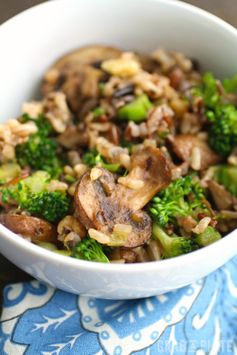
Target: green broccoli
[[31, 195], [136, 110], [182, 197], [209, 236], [209, 91], [222, 116], [40, 151], [227, 176], [223, 131], [52, 206], [9, 171], [92, 158], [230, 85], [98, 112], [172, 245], [89, 249]]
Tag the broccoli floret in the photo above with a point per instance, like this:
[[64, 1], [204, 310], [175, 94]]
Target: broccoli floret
[[230, 85], [227, 176], [209, 236], [31, 195], [223, 131], [41, 122], [89, 249], [181, 198], [92, 158], [52, 206], [172, 245], [222, 117], [98, 111], [209, 91], [40, 151]]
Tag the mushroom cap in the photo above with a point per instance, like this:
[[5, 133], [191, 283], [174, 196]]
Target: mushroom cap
[[103, 204], [77, 75], [35, 228], [183, 145]]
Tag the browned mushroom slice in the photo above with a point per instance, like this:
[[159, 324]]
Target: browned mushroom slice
[[76, 75], [114, 211], [147, 63], [223, 199], [87, 55], [99, 209], [150, 172], [34, 228], [184, 144], [73, 137], [79, 85]]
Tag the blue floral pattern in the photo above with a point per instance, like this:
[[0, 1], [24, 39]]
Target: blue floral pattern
[[197, 319]]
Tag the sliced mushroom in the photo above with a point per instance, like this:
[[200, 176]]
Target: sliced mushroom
[[75, 75], [98, 209], [114, 210], [87, 55], [34, 228], [73, 137], [184, 144], [223, 198], [149, 166], [128, 255]]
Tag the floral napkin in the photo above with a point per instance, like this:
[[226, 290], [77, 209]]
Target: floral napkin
[[198, 319]]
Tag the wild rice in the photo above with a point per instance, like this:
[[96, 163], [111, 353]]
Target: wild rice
[[202, 225], [99, 236], [95, 174], [134, 184], [196, 158], [56, 185], [232, 159]]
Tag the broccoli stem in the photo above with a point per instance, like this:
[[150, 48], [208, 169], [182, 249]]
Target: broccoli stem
[[90, 250], [172, 245], [136, 110], [209, 236], [227, 176], [31, 195]]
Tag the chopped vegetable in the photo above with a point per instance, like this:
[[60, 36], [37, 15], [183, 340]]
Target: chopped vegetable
[[230, 85], [136, 110], [98, 111], [63, 252], [92, 158], [37, 182], [31, 195], [209, 236], [172, 245], [70, 179], [48, 246], [223, 132], [181, 198], [209, 91], [9, 171], [40, 151], [52, 206], [227, 176], [222, 116], [89, 249]]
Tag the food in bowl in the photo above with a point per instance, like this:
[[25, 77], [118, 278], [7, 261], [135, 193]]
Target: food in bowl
[[127, 158]]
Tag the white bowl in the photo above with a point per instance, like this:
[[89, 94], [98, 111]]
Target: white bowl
[[31, 42]]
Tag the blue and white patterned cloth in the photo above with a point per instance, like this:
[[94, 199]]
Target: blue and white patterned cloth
[[198, 319]]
